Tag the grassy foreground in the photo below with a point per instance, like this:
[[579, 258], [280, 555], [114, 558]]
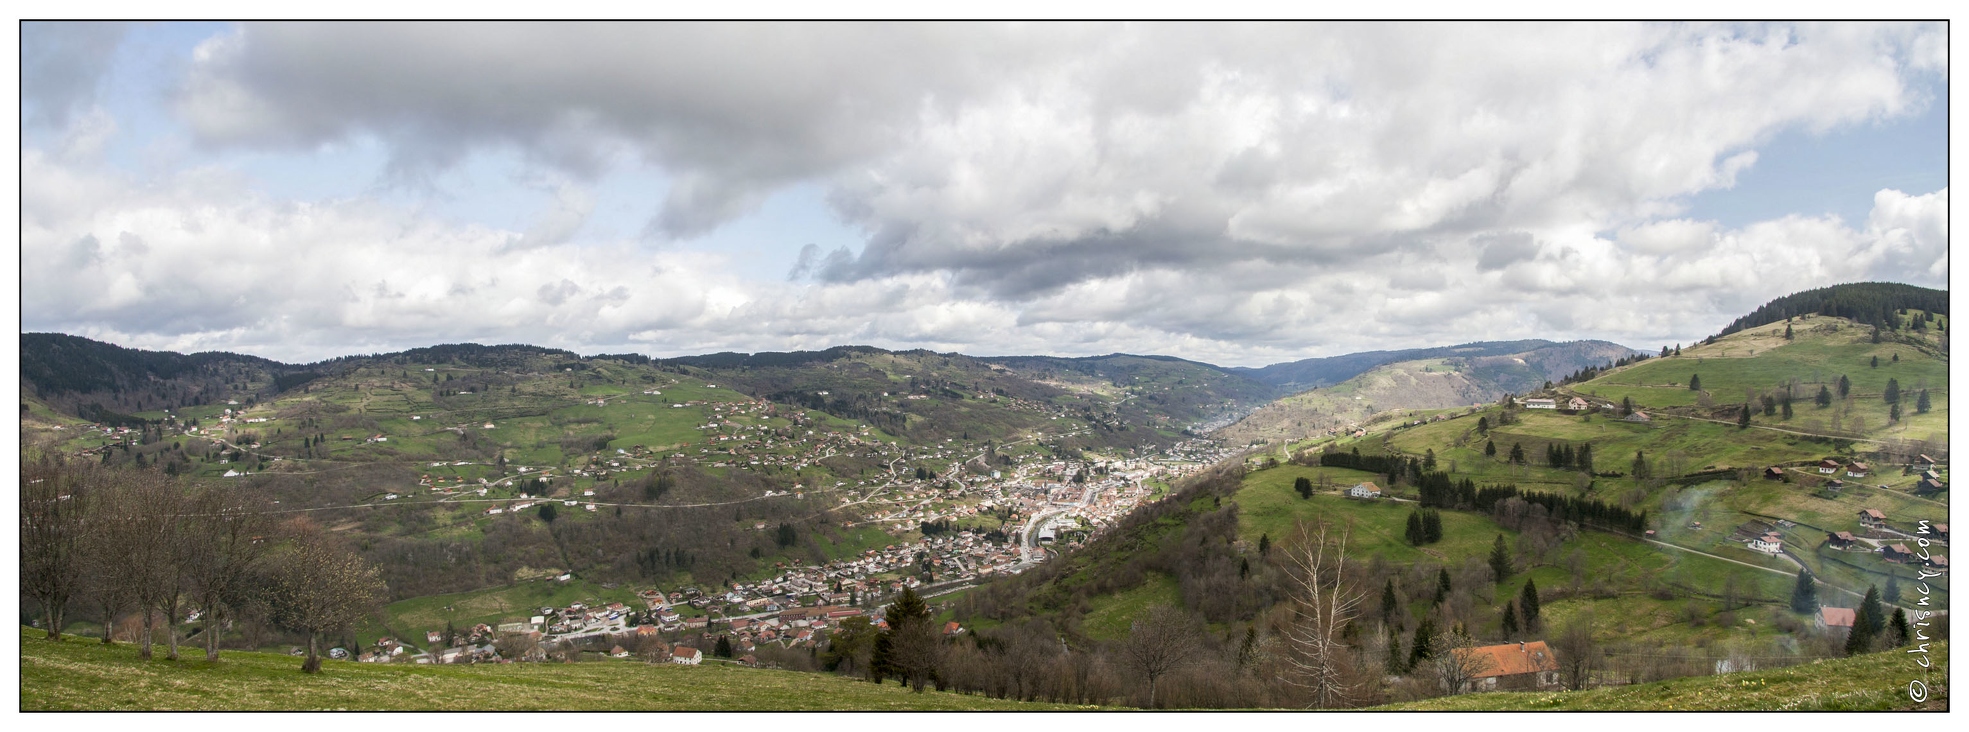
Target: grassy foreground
[[82, 674], [1875, 682]]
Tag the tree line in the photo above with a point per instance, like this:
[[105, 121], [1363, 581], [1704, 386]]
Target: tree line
[[110, 543]]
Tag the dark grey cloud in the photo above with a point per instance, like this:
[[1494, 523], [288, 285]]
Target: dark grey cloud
[[62, 67]]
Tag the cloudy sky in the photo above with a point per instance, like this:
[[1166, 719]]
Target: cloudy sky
[[1235, 194]]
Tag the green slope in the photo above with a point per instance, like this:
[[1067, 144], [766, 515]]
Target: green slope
[[1874, 682], [85, 675]]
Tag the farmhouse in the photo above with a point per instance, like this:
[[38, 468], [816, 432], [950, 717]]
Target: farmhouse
[[1638, 416], [1769, 543], [1541, 404], [1512, 666], [1856, 469], [1828, 466], [1896, 553], [1834, 617], [686, 655], [1364, 490], [1774, 473], [1872, 518], [1577, 404], [1839, 539]]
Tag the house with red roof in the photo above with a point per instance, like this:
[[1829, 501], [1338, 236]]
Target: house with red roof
[[1512, 666], [1834, 617]]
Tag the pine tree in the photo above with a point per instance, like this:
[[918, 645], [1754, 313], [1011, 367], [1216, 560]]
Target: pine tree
[[1893, 393], [1743, 418], [1787, 331], [1528, 603], [1640, 467], [1805, 594], [1894, 412], [1845, 386], [1414, 533], [1517, 453], [1395, 665], [1483, 425], [1870, 608], [1824, 398], [1898, 631], [1418, 650], [1584, 460], [1390, 602], [1510, 626], [1921, 404], [1264, 545], [1442, 585], [1876, 359], [1432, 526], [1304, 486], [1785, 408], [1695, 382], [1500, 559], [724, 647], [1490, 449]]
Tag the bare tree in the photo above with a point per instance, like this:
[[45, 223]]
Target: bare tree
[[55, 496], [1578, 655], [1455, 661], [1162, 641], [320, 587], [1324, 601], [227, 541]]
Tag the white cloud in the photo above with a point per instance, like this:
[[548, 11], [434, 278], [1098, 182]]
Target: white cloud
[[1239, 193]]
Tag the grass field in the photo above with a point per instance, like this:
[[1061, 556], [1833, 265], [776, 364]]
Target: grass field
[[1111, 615], [84, 675], [1875, 682]]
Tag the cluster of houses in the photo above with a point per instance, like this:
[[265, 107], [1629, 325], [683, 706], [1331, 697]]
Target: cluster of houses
[[1882, 540]]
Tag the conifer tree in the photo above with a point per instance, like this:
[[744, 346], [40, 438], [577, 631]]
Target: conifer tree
[[1500, 559], [1898, 631], [1787, 331], [1921, 403], [1528, 604], [1893, 393], [1845, 386], [1432, 526], [1876, 359], [1442, 585], [1483, 425], [1264, 545], [1395, 657], [1743, 418], [1390, 602], [1510, 625], [1490, 449], [1805, 594], [1517, 453], [1785, 408], [1894, 412], [1414, 533], [1695, 382], [1824, 398], [1418, 650], [1304, 486]]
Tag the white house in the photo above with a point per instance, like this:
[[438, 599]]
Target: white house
[[686, 655], [1364, 490], [1541, 404], [1769, 543]]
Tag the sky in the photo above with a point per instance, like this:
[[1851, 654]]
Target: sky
[[1235, 194]]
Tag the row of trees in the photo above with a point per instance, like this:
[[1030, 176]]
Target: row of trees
[[117, 541]]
